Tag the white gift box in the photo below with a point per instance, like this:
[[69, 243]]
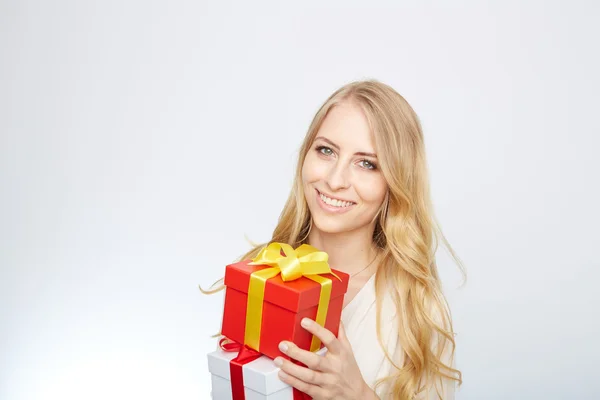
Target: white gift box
[[261, 381]]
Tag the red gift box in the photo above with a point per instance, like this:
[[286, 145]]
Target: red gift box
[[285, 304]]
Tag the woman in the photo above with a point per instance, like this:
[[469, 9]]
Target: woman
[[361, 194]]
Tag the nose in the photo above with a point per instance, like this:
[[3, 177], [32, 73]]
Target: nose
[[337, 178]]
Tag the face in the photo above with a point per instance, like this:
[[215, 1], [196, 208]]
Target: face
[[343, 185]]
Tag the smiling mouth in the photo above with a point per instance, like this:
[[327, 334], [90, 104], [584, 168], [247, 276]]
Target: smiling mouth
[[335, 202]]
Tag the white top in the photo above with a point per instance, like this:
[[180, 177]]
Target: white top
[[360, 320]]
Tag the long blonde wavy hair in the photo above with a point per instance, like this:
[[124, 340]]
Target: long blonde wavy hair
[[406, 232]]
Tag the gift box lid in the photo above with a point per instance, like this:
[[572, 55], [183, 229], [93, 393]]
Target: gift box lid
[[260, 375], [296, 295]]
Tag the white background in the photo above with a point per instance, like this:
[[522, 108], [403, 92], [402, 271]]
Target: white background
[[140, 142]]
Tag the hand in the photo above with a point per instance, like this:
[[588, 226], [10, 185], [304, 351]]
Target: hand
[[333, 376]]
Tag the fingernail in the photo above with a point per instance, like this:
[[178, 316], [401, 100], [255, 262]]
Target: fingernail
[[278, 361], [283, 347], [305, 322]]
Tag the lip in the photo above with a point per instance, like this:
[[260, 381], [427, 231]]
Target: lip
[[332, 209]]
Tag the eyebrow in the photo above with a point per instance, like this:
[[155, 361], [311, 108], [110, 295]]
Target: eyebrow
[[360, 153]]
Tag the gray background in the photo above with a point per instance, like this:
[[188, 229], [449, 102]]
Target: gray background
[[137, 137]]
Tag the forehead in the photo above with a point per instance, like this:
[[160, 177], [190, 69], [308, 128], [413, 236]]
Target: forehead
[[347, 126]]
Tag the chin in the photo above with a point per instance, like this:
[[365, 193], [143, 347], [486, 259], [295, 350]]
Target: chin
[[327, 225]]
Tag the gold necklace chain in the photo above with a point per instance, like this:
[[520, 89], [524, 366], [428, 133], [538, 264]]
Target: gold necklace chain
[[368, 265]]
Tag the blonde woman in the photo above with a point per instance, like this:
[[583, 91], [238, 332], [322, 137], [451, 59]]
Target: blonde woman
[[361, 194]]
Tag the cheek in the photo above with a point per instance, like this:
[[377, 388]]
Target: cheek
[[372, 190], [312, 169]]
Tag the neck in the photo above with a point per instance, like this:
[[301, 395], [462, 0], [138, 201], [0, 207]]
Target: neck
[[349, 251]]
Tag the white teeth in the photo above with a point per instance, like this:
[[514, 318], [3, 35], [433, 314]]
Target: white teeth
[[334, 202]]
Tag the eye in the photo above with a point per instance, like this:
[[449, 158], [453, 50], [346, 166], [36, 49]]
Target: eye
[[324, 150], [366, 164]]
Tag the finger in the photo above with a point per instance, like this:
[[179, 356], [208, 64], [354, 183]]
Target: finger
[[302, 373], [327, 338], [342, 333], [311, 390], [310, 359]]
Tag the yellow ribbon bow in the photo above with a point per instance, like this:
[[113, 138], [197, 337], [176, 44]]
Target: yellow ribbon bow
[[303, 261]]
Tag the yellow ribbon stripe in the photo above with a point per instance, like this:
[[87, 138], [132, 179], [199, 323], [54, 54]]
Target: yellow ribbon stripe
[[323, 308], [304, 261], [256, 294]]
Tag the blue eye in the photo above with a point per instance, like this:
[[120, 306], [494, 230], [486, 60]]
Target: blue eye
[[367, 164], [324, 150]]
